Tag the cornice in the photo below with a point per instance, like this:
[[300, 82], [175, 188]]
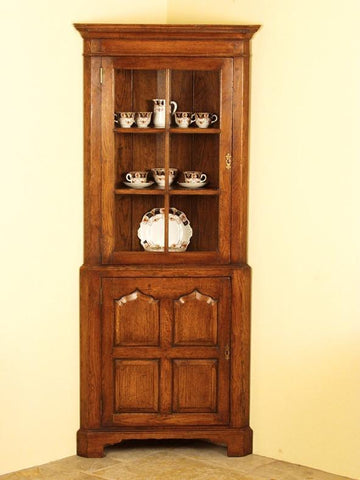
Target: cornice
[[165, 31]]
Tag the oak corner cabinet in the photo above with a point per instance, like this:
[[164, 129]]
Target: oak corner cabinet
[[165, 285]]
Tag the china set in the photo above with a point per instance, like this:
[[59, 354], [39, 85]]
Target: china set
[[145, 178], [158, 117]]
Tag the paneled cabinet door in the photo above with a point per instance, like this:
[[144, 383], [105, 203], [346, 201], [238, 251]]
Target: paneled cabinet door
[[164, 350]]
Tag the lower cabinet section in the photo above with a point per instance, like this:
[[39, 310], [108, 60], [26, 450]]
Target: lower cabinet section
[[160, 358], [164, 350]]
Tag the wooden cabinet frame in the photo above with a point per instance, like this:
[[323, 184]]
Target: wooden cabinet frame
[[154, 323]]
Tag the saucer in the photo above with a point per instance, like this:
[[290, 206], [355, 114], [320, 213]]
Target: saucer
[[192, 185], [138, 185]]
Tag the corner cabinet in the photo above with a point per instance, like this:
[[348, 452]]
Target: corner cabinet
[[165, 287]]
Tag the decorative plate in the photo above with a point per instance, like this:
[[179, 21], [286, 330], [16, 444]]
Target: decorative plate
[[138, 185], [151, 230], [192, 185]]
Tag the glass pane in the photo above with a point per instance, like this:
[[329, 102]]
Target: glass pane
[[133, 212], [195, 154], [196, 91], [138, 151], [136, 89], [197, 159], [198, 229]]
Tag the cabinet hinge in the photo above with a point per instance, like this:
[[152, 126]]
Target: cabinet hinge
[[101, 75], [227, 352], [228, 161]]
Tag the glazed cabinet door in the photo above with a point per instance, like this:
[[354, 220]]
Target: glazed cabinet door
[[171, 181], [164, 350]]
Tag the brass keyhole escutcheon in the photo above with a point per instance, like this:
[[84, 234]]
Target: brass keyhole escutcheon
[[227, 352], [228, 161]]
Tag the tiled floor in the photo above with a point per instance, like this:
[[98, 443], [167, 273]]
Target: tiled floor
[[169, 460]]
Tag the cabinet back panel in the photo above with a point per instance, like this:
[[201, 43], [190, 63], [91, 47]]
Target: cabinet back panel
[[135, 89], [196, 91], [207, 92], [182, 89], [128, 215], [137, 152], [202, 212], [123, 91], [196, 152]]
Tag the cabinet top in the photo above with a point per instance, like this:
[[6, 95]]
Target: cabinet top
[[166, 31]]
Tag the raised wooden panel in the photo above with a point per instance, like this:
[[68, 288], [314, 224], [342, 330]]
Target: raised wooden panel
[[195, 386], [136, 386], [137, 320], [195, 320]]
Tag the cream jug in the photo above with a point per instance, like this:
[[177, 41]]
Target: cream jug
[[159, 112]]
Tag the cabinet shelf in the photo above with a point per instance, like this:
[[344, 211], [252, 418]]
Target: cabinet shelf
[[139, 131], [199, 191], [139, 191], [196, 131], [179, 131], [172, 191]]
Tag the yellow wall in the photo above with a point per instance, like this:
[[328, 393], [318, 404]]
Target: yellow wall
[[304, 222], [41, 219], [304, 238]]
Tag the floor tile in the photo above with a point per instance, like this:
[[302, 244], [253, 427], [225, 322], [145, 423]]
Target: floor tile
[[135, 449], [85, 465], [164, 465], [41, 473], [287, 471], [218, 454], [169, 460]]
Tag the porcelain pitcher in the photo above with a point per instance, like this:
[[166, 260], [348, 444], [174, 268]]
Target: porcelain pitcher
[[159, 111]]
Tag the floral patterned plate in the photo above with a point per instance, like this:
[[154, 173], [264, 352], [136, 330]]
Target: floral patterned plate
[[151, 230]]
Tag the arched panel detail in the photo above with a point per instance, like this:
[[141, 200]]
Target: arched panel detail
[[195, 319], [137, 320]]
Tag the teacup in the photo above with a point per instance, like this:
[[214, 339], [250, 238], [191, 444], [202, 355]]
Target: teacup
[[143, 119], [124, 119], [137, 176], [184, 119], [159, 175], [204, 119], [192, 176]]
